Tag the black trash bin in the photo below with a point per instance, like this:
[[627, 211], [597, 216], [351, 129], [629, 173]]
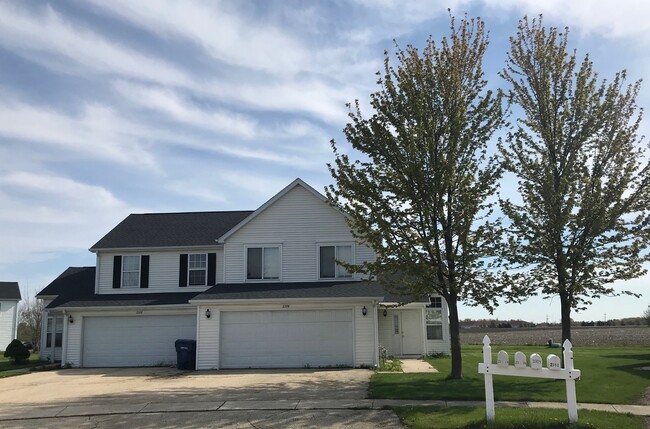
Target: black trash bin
[[185, 354]]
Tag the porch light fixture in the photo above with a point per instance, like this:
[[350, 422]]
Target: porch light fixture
[[385, 312], [364, 310], [70, 319], [208, 313]]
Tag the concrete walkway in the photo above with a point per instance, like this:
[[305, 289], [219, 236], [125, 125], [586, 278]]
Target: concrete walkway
[[416, 365], [77, 410]]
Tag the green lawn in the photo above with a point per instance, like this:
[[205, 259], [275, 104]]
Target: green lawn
[[8, 368], [510, 418], [609, 375]]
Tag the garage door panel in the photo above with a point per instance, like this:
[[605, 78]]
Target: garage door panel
[[277, 339], [134, 340]]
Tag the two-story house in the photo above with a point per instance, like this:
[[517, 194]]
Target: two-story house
[[258, 289]]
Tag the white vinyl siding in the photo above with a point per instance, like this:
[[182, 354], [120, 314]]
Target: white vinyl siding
[[164, 269], [118, 341], [208, 338], [365, 349], [8, 314], [298, 221], [73, 342]]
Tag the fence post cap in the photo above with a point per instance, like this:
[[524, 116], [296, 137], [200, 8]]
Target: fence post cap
[[567, 344], [486, 340]]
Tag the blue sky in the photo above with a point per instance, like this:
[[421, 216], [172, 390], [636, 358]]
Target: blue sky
[[114, 107]]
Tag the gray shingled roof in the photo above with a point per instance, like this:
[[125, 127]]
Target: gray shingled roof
[[72, 283], [128, 300], [170, 229], [9, 291], [353, 289]]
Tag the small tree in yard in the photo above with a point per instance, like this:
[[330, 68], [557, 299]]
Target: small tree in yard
[[420, 200], [17, 351], [584, 179], [646, 315], [29, 320]]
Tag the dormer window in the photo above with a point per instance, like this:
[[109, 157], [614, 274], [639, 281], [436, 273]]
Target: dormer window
[[263, 263], [328, 267]]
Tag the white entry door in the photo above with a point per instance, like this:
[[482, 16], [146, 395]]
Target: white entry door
[[407, 329], [286, 339]]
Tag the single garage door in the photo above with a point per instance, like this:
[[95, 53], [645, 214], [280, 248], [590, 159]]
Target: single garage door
[[134, 340], [286, 339]]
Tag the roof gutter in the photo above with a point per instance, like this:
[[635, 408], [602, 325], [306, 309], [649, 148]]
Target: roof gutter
[[274, 300]]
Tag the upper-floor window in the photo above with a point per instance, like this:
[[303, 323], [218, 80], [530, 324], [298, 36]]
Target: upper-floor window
[[130, 271], [197, 269], [328, 267], [263, 263]]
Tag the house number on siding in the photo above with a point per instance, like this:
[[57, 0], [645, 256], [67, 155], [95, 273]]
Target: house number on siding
[[285, 305]]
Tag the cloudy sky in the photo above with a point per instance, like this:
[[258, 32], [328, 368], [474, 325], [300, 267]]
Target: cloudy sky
[[114, 107]]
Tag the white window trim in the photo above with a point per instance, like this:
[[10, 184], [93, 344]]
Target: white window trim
[[441, 323], [262, 246], [139, 272], [205, 279], [335, 244]]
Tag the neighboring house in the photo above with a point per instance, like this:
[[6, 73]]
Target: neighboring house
[[258, 289], [9, 298]]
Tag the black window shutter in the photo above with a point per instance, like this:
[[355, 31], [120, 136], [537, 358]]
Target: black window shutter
[[182, 274], [144, 271], [117, 271], [212, 269]]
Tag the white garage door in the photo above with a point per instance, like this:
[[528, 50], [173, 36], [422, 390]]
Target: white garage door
[[286, 339], [134, 340]]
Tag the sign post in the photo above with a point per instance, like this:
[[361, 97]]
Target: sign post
[[521, 369]]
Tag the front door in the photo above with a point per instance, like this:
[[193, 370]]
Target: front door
[[406, 338], [411, 327]]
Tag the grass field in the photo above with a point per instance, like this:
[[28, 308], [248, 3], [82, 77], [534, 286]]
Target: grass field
[[8, 368], [509, 418], [581, 336], [609, 375]]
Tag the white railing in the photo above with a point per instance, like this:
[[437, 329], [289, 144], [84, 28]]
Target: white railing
[[520, 368]]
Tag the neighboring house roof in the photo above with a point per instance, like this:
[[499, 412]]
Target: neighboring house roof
[[73, 282], [246, 291], [253, 215], [9, 291], [170, 229], [128, 300]]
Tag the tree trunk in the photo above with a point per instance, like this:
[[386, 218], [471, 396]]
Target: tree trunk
[[454, 332], [565, 309]]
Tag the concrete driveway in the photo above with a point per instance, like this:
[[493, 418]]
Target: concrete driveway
[[106, 385], [164, 397]]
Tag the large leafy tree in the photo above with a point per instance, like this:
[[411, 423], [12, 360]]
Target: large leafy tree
[[420, 195], [582, 219]]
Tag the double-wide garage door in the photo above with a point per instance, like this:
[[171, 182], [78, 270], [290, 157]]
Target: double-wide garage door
[[134, 340], [286, 339]]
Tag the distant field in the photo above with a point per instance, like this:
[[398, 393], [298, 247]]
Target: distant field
[[581, 336]]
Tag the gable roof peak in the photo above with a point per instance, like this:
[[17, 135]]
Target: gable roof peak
[[297, 182]]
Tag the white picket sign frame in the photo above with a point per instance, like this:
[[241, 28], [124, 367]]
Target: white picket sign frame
[[568, 373]]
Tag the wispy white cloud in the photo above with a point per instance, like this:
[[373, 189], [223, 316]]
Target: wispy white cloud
[[97, 131], [48, 38], [45, 213], [609, 19]]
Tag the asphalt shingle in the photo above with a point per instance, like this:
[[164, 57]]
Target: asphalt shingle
[[9, 291], [170, 229]]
